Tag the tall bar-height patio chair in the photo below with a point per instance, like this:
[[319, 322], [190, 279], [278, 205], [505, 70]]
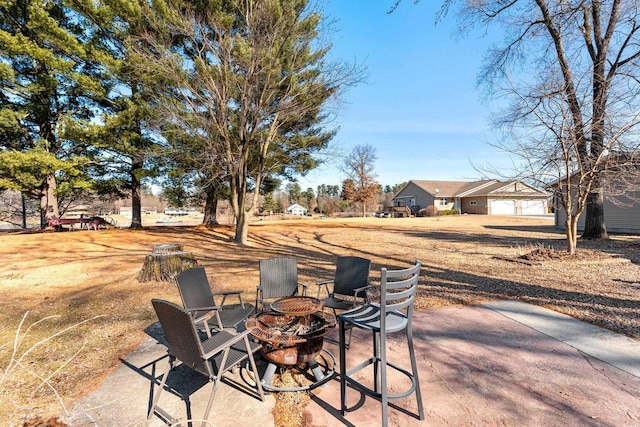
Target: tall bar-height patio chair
[[350, 284], [212, 357], [199, 300], [391, 314], [278, 279]]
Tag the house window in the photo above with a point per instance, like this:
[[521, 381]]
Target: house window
[[413, 202], [473, 202], [443, 202]]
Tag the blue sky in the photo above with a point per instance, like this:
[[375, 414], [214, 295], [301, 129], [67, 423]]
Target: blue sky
[[420, 107]]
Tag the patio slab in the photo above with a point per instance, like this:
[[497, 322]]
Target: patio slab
[[501, 363]]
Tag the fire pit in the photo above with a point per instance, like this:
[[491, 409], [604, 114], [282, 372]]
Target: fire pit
[[292, 334]]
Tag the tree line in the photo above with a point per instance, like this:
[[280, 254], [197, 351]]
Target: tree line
[[330, 199]]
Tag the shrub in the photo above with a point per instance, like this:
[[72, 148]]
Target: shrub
[[429, 211], [449, 212]]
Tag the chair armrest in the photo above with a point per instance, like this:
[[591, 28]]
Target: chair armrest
[[233, 292], [210, 312], [304, 288], [362, 290], [236, 338], [210, 308], [326, 286], [225, 294]]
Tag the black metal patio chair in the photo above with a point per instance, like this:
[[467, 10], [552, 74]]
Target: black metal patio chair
[[278, 279], [212, 357], [350, 285]]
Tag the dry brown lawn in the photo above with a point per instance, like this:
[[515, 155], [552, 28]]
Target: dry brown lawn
[[75, 276]]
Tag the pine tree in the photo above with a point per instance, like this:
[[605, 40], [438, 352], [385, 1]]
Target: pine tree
[[49, 79], [123, 145], [249, 84]]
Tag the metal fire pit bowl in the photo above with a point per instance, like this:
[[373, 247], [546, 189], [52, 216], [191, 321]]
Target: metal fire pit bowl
[[290, 340]]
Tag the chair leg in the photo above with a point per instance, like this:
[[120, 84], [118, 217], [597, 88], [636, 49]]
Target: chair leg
[[376, 362], [383, 379], [205, 417], [254, 368], [156, 397], [349, 340], [343, 369], [414, 368], [335, 316]]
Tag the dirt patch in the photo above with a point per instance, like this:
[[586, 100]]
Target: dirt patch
[[551, 254]]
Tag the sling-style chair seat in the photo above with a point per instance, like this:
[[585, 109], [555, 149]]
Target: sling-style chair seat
[[278, 279], [212, 357], [350, 284], [391, 314], [199, 300]]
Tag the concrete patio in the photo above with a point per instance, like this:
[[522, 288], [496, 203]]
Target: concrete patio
[[500, 363]]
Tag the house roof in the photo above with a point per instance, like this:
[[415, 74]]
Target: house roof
[[505, 188], [296, 206], [470, 189], [449, 188]]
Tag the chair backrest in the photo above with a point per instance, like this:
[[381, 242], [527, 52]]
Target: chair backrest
[[352, 272], [398, 288], [181, 335], [278, 277], [194, 288]]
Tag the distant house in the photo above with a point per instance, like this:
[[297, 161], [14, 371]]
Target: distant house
[[620, 216], [296, 209], [488, 197]]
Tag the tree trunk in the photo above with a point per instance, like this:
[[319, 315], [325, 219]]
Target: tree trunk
[[210, 210], [24, 211], [48, 202], [136, 196], [594, 226], [242, 228], [238, 199], [571, 229]]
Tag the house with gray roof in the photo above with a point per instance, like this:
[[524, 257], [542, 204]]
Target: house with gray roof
[[488, 197]]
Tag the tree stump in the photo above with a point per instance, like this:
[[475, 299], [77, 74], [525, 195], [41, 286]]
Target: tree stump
[[165, 262]]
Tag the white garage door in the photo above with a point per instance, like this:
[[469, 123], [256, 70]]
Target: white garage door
[[503, 207], [533, 207]]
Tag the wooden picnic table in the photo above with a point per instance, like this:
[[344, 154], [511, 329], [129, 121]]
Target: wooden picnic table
[[88, 223]]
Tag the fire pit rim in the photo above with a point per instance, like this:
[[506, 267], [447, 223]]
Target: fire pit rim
[[306, 305]]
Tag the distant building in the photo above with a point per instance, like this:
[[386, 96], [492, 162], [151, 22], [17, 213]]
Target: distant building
[[125, 211], [296, 209], [488, 197]]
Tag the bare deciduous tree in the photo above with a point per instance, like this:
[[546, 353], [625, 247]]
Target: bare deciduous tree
[[570, 69], [359, 167], [248, 85]]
